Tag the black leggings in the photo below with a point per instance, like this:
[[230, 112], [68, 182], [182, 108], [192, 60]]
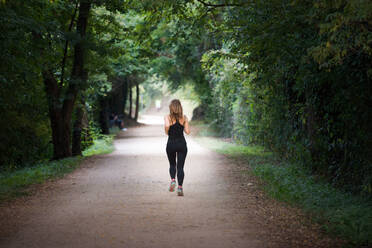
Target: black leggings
[[177, 148]]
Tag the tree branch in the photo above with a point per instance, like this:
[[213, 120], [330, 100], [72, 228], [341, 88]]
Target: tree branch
[[78, 74], [66, 45]]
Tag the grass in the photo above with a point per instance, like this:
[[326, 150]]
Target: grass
[[13, 184], [100, 146], [339, 213]]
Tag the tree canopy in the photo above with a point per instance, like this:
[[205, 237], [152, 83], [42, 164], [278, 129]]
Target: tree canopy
[[293, 76]]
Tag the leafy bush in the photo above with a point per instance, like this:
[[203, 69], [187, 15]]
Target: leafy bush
[[295, 77]]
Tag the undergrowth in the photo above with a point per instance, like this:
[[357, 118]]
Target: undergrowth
[[339, 213], [100, 146]]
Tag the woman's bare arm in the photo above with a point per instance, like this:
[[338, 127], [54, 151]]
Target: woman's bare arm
[[166, 124], [186, 126]]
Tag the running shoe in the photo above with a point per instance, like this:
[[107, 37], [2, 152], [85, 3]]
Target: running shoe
[[172, 186], [180, 192]]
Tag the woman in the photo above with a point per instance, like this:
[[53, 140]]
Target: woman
[[175, 124]]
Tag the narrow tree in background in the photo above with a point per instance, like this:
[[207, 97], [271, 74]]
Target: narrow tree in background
[[137, 102], [130, 100], [125, 94], [77, 128]]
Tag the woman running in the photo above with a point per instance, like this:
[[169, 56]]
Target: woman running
[[175, 124]]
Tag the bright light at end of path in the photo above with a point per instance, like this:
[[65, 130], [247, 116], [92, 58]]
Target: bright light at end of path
[[151, 119]]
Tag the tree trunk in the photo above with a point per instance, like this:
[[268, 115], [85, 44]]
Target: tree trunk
[[66, 45], [103, 115], [125, 94], [130, 101], [120, 95], [137, 102], [60, 114], [79, 78], [78, 126], [116, 96], [60, 150]]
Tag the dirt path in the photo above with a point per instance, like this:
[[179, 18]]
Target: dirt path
[[121, 200]]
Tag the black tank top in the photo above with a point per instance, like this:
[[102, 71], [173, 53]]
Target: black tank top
[[176, 131]]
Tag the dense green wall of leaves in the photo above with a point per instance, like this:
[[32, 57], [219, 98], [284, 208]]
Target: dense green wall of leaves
[[24, 125], [40, 34], [296, 76]]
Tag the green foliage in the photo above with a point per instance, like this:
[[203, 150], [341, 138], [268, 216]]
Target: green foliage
[[24, 126], [295, 77], [89, 135], [45, 32], [100, 146], [179, 45], [98, 143]]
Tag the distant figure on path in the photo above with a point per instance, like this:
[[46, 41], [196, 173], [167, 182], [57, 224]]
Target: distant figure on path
[[158, 105], [175, 124], [115, 120]]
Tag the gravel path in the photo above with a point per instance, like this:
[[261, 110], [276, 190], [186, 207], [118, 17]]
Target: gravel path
[[122, 200]]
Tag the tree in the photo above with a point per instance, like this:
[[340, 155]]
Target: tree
[[137, 102], [68, 90], [61, 114]]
